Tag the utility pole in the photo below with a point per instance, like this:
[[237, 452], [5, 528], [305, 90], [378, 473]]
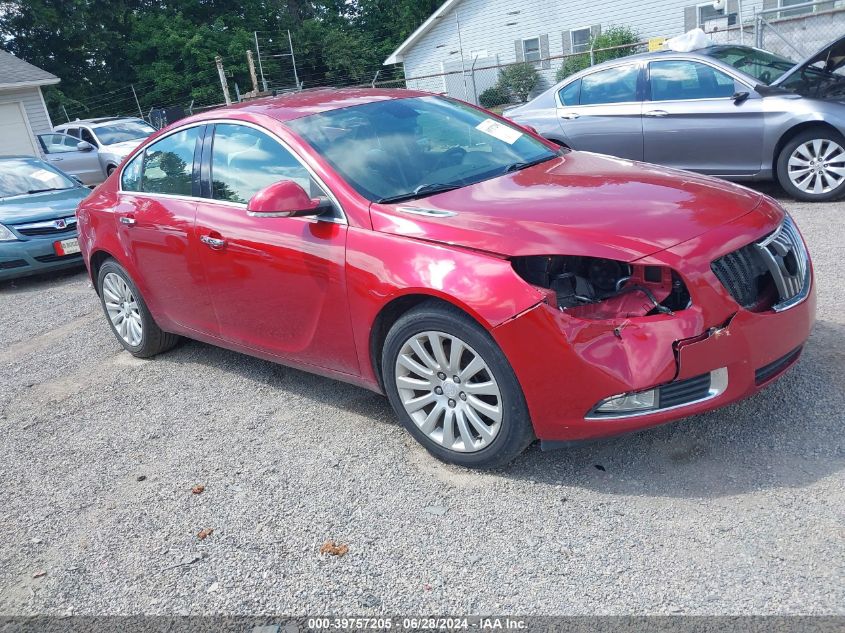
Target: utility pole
[[260, 67], [293, 61], [65, 111], [134, 94], [219, 61], [252, 76], [461, 49]]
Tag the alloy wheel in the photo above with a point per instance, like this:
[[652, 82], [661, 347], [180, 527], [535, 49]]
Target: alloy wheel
[[817, 166], [449, 391], [122, 309]]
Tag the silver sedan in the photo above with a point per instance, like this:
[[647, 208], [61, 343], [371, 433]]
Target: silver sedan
[[727, 110]]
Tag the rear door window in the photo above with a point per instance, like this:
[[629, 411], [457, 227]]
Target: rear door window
[[165, 166], [614, 85]]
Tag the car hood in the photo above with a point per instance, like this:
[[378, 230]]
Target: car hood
[[41, 206], [122, 149], [832, 57], [578, 204]]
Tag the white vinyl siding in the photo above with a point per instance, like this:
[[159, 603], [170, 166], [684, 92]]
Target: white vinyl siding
[[32, 102], [35, 121]]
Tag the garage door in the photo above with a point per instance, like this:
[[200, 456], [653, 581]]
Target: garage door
[[14, 132]]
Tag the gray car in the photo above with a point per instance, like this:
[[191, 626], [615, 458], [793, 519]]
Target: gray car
[[113, 138], [727, 110]]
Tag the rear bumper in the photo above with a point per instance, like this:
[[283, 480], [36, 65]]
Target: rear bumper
[[34, 256]]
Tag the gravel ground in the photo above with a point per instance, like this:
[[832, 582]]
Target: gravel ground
[[733, 512]]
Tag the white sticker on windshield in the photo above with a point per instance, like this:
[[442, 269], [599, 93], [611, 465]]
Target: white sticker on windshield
[[43, 175], [499, 131]]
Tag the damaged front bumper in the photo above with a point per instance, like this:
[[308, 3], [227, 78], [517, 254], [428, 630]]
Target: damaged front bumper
[[706, 356]]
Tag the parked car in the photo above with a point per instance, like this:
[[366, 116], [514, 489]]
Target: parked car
[[114, 138], [77, 158], [728, 110], [37, 217], [494, 286]]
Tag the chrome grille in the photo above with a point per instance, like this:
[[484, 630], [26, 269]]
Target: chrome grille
[[46, 227], [785, 255], [772, 273]]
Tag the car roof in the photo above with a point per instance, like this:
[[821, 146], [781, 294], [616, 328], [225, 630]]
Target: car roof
[[97, 121], [295, 105], [705, 52]]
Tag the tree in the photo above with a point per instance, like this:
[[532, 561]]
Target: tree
[[519, 79], [604, 47]]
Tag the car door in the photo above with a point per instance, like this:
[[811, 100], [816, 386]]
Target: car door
[[601, 111], [700, 118], [156, 211], [61, 150], [278, 284]]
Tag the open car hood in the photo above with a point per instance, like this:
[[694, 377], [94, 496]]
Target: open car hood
[[577, 204], [832, 58]]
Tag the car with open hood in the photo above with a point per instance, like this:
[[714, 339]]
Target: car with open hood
[[726, 110], [496, 287]]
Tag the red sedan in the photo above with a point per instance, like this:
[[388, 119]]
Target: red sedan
[[497, 288]]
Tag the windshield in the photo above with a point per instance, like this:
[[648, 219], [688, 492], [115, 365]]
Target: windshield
[[408, 148], [123, 131], [765, 67], [19, 176]]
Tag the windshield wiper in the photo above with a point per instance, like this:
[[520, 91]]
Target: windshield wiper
[[525, 164], [49, 189], [422, 190]]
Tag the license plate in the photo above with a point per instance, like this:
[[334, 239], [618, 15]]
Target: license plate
[[66, 247]]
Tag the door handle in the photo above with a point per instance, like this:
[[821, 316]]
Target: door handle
[[569, 115], [213, 242], [656, 113], [54, 160], [125, 219]]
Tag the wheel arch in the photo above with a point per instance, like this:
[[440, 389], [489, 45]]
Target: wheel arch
[[98, 257], [394, 310], [794, 131]]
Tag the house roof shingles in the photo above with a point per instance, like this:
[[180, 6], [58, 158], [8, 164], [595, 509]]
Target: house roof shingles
[[16, 72]]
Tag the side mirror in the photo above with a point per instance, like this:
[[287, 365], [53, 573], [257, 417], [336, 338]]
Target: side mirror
[[285, 199], [84, 146], [740, 97]]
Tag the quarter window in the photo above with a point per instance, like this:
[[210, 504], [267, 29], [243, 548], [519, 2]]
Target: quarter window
[[165, 166], [614, 85], [531, 49], [678, 80], [244, 161], [570, 94], [580, 39]]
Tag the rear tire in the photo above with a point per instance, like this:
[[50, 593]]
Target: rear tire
[[462, 402], [811, 166], [128, 315]]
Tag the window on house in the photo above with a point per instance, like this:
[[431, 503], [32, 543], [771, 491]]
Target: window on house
[[580, 39], [531, 49], [797, 11], [706, 12]]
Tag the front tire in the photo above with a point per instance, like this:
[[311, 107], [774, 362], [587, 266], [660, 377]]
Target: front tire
[[811, 166], [453, 388], [128, 315]]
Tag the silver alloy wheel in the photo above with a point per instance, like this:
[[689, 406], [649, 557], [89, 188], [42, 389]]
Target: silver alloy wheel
[[817, 166], [123, 309], [449, 391]]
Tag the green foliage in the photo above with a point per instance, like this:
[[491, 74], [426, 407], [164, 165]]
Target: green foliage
[[519, 79], [493, 96], [609, 39], [166, 48]]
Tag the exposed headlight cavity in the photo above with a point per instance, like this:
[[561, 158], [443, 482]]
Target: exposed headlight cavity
[[597, 288]]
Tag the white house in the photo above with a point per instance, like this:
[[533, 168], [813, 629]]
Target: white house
[[23, 113], [488, 33]]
